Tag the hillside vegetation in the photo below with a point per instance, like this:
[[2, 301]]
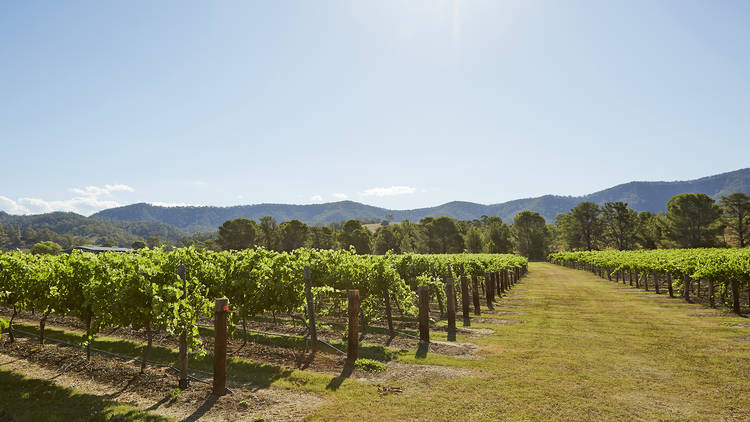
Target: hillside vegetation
[[641, 196]]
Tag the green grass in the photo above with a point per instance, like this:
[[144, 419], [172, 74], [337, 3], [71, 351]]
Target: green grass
[[23, 399], [587, 349]]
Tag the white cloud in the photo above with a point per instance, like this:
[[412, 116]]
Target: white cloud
[[340, 196], [170, 204], [87, 201], [316, 198], [10, 206], [391, 191], [103, 191]]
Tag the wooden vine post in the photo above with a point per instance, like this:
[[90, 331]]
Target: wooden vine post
[[220, 346], [669, 285], [488, 290], [311, 310], [424, 313], [437, 295], [183, 381], [711, 299], [491, 283], [389, 313], [735, 284], [450, 293], [656, 282], [475, 295], [353, 340], [465, 300]]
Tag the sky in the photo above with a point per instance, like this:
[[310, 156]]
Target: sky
[[400, 104]]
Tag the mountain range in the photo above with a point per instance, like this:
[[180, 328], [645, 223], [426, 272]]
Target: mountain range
[[641, 196]]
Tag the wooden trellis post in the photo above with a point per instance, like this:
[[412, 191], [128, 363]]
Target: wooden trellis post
[[475, 295], [424, 314], [353, 340]]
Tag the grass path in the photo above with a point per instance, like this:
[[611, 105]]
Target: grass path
[[586, 349]]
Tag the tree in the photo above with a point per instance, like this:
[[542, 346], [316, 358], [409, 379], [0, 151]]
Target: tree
[[566, 232], [693, 220], [153, 242], [387, 238], [321, 238], [3, 237], [409, 233], [474, 242], [293, 234], [620, 225], [443, 235], [12, 238], [355, 234], [736, 213], [650, 230], [531, 234], [498, 235], [138, 244], [428, 242], [269, 233], [237, 234], [46, 248], [586, 225]]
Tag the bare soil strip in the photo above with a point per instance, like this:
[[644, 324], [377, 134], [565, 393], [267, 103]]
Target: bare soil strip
[[155, 389]]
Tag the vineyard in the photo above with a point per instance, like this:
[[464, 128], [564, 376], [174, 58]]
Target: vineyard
[[723, 273], [296, 295]]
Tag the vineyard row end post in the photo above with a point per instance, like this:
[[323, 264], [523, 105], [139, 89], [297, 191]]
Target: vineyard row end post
[[220, 346]]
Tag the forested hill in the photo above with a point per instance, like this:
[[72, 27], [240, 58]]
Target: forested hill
[[642, 196], [70, 229]]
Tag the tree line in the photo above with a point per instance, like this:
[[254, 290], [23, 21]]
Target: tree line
[[692, 220], [431, 235]]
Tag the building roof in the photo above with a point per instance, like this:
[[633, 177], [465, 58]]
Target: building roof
[[97, 249]]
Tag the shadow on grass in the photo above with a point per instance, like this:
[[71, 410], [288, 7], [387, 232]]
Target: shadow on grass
[[272, 340], [17, 394], [422, 350], [372, 351], [256, 375], [345, 373]]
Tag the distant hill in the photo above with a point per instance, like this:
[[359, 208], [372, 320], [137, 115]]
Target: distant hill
[[642, 196], [91, 230]]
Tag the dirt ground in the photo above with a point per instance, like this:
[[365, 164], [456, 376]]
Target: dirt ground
[[121, 381]]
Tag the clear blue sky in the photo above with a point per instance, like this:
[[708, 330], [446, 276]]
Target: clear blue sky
[[400, 104]]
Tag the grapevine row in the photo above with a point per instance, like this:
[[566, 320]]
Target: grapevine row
[[172, 290], [726, 270]]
